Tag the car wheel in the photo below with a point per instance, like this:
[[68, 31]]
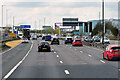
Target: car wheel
[[103, 56], [38, 50], [108, 58], [49, 50]]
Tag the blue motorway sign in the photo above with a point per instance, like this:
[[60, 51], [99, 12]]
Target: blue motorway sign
[[6, 34], [25, 26], [16, 32]]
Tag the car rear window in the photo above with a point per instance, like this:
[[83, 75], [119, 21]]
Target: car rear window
[[69, 38], [55, 39], [44, 43], [115, 48], [77, 40]]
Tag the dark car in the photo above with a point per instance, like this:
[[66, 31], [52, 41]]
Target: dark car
[[44, 46], [43, 37], [68, 40], [55, 41]]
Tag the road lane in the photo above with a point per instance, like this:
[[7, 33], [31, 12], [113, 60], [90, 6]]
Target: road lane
[[73, 62], [12, 57], [40, 65]]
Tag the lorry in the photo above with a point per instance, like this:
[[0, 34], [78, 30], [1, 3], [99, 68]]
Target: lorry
[[48, 38], [26, 33]]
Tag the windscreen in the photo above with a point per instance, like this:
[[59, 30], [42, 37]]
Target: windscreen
[[69, 38], [44, 43], [115, 48]]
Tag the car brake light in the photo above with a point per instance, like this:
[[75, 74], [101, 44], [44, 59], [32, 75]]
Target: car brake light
[[40, 45], [48, 45]]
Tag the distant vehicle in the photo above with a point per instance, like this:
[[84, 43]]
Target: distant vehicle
[[44, 46], [77, 42], [34, 37], [106, 40], [55, 41], [26, 33], [43, 37], [96, 39], [68, 40], [48, 38], [25, 40], [76, 37], [112, 52], [88, 39]]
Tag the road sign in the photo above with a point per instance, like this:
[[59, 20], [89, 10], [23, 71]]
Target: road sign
[[25, 26], [6, 34], [11, 34], [16, 32]]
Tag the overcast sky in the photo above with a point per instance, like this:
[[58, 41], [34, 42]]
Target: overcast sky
[[35, 12]]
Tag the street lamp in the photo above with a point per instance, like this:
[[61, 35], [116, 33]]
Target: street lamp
[[103, 22]]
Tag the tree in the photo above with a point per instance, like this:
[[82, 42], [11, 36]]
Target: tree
[[57, 31], [108, 26]]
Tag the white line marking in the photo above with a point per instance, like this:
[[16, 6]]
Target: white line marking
[[119, 69], [90, 55], [66, 45], [81, 51], [57, 55], [61, 62], [53, 49], [66, 72], [102, 61], [15, 67], [54, 52]]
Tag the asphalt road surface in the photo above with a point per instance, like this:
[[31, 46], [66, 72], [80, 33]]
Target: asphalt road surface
[[65, 61]]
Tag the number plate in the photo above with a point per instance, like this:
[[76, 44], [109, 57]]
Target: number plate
[[44, 48]]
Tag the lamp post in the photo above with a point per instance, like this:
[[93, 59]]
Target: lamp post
[[103, 22]]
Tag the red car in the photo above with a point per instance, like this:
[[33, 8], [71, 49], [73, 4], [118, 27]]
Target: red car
[[112, 52], [77, 43]]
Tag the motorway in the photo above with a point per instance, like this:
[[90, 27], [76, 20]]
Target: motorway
[[64, 61]]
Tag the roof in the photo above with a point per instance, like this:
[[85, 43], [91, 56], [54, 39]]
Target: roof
[[114, 46]]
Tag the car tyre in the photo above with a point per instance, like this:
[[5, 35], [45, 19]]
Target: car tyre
[[38, 50], [103, 56], [108, 58]]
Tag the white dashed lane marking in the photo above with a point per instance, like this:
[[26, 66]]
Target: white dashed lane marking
[[67, 72], [102, 61], [61, 62], [57, 55], [54, 52], [90, 55], [81, 51]]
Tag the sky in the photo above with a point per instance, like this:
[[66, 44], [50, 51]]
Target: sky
[[35, 13]]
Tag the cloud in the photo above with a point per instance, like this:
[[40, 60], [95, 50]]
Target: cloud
[[28, 12]]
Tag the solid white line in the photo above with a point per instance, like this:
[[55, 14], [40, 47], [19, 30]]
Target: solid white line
[[57, 55], [61, 62], [119, 69], [102, 61], [66, 72], [15, 67], [90, 55]]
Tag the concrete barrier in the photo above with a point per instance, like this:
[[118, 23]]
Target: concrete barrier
[[96, 44]]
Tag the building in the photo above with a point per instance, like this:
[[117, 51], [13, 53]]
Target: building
[[47, 27]]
